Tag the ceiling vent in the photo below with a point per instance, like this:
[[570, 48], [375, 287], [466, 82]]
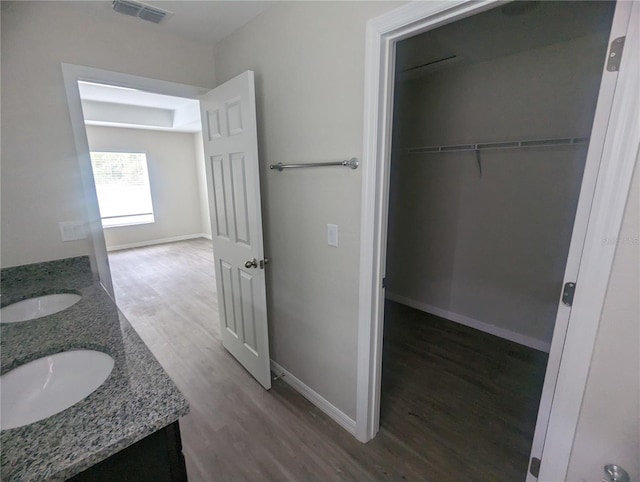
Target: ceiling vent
[[141, 10]]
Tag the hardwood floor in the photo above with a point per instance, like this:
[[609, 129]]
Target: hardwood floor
[[467, 399], [456, 404]]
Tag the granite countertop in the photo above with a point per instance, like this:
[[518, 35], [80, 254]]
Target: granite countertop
[[137, 399]]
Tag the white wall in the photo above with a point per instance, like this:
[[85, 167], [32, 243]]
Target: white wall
[[40, 177], [173, 178], [609, 424], [203, 195], [309, 64], [491, 250]]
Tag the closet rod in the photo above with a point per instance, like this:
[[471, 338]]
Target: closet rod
[[352, 163], [526, 144]]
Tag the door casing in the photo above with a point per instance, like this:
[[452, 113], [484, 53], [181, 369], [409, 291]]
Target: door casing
[[611, 191]]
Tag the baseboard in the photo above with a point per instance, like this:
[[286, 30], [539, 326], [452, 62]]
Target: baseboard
[[314, 397], [519, 338], [152, 242], [206, 236]]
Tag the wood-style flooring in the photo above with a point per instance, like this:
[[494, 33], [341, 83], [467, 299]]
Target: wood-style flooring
[[466, 399], [457, 405]]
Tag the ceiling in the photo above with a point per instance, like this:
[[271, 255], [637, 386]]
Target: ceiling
[[201, 21], [504, 30], [106, 105]]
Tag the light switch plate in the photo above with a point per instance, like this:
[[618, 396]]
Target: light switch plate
[[332, 235], [72, 230]]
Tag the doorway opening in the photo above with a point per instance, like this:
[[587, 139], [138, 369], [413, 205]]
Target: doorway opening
[[149, 176], [230, 158], [147, 165], [148, 170], [441, 170]]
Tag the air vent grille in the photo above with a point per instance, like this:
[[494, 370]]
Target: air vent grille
[[141, 10]]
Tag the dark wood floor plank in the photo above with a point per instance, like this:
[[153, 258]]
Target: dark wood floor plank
[[469, 398], [457, 404]]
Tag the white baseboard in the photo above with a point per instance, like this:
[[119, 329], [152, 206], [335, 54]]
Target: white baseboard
[[151, 242], [314, 397], [205, 235], [519, 338]]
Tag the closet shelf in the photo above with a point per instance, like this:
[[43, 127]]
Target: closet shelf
[[525, 144]]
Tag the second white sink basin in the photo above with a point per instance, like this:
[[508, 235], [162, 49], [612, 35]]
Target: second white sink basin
[[48, 385], [37, 307]]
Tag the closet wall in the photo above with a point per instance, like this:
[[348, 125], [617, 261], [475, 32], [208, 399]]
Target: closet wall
[[489, 250]]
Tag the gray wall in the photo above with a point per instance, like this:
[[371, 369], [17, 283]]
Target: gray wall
[[491, 250], [609, 424], [309, 61], [173, 179], [41, 182]]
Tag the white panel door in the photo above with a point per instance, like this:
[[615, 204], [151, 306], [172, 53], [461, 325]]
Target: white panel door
[[563, 317], [231, 152]]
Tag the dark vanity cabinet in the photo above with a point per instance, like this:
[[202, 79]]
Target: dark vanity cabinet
[[157, 457]]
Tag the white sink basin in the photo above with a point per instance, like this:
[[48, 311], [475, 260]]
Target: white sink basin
[[38, 307], [48, 385]]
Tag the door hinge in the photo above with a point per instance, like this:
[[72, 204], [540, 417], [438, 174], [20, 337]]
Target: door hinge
[[534, 467], [615, 54], [567, 293], [384, 282]]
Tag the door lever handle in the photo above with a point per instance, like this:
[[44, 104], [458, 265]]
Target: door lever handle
[[251, 264]]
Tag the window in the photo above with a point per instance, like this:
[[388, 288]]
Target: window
[[122, 185]]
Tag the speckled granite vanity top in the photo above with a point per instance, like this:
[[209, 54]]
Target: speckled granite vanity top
[[136, 400]]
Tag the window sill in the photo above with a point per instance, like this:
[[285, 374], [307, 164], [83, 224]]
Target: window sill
[[124, 221]]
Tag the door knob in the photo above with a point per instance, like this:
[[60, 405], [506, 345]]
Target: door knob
[[615, 473], [251, 264]]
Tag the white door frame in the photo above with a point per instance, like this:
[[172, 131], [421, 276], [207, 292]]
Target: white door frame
[[72, 74], [619, 153]]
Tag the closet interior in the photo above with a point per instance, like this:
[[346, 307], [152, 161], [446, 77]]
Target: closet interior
[[492, 119]]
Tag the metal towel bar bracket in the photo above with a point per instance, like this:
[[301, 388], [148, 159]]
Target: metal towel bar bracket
[[353, 163]]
